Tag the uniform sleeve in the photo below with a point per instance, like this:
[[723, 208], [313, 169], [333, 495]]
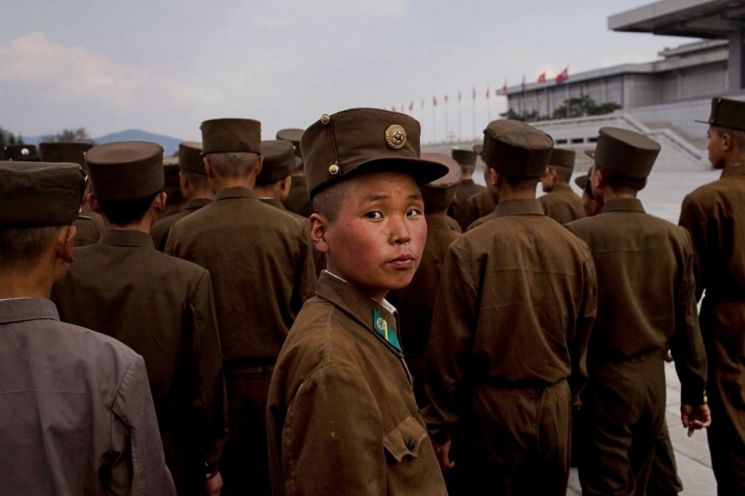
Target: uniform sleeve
[[450, 341], [686, 343], [585, 321], [694, 219], [209, 401], [141, 467], [332, 440]]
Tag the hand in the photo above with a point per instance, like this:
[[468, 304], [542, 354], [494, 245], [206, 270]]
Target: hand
[[442, 450], [695, 417], [213, 485]]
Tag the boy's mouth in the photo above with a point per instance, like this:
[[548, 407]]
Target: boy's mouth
[[403, 262]]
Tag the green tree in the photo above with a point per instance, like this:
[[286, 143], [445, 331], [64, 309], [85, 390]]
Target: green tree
[[79, 134], [581, 106], [8, 139]]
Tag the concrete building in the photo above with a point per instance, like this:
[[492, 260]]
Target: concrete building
[[662, 97]]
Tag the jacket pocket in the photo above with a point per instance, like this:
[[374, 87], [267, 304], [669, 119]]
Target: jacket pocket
[[405, 439]]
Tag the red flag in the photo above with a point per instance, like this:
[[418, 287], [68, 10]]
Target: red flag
[[446, 97], [474, 92], [504, 88], [522, 85], [542, 77], [434, 101], [562, 76], [411, 106], [459, 97], [488, 92]]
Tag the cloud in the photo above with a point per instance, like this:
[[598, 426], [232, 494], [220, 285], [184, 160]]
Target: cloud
[[325, 12], [75, 74]]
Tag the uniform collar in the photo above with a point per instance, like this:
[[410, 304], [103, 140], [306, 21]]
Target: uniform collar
[[734, 170], [274, 202], [438, 221], [21, 309], [562, 188], [235, 192], [126, 237], [360, 307], [467, 181], [519, 207], [623, 205], [197, 203]]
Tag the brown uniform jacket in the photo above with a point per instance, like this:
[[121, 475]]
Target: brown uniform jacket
[[89, 227], [515, 308], [161, 307], [76, 415], [341, 416], [646, 297], [297, 201], [477, 206], [562, 204], [262, 271], [162, 226], [465, 189]]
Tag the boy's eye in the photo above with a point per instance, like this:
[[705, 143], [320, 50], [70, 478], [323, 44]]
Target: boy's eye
[[375, 214], [414, 212]]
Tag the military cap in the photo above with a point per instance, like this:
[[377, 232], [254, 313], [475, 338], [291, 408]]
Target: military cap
[[39, 194], [231, 136], [625, 152], [478, 148], [516, 149], [726, 113], [561, 158], [125, 170], [190, 157], [279, 161], [25, 153], [171, 168], [65, 151], [464, 157], [362, 140], [439, 194]]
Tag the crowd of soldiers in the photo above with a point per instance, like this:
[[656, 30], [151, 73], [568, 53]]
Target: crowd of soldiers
[[335, 312]]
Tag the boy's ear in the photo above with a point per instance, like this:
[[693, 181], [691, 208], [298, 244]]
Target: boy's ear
[[318, 227]]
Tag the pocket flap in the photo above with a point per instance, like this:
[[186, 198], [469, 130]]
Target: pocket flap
[[404, 440]]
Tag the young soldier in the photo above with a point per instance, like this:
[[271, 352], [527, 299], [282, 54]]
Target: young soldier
[[589, 204], [560, 202], [416, 302], [342, 418], [89, 224], [194, 187], [159, 305], [76, 415], [467, 188], [263, 271], [714, 214], [274, 182], [514, 311], [297, 199], [645, 305]]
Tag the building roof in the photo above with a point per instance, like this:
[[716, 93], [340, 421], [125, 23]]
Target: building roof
[[689, 18]]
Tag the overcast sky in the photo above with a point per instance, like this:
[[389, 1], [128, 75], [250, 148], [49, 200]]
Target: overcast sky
[[165, 66]]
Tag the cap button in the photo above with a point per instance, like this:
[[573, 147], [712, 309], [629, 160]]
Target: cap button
[[325, 119], [333, 169]]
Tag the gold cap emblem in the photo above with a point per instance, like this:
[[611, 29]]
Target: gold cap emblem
[[395, 137], [325, 119], [333, 169]]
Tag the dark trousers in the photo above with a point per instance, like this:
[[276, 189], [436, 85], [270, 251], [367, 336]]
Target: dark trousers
[[518, 443], [245, 465], [663, 477], [727, 434], [624, 407]]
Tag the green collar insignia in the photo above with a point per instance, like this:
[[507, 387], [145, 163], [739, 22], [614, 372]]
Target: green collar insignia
[[385, 330]]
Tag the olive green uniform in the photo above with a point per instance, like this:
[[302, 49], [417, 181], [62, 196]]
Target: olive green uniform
[[714, 214], [562, 204], [645, 305], [465, 190], [341, 391], [507, 350], [162, 226], [162, 307], [262, 271]]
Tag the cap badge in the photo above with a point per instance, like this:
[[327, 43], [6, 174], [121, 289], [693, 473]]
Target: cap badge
[[395, 137], [325, 119], [333, 169]]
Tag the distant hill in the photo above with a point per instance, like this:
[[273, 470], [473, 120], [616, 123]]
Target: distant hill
[[169, 144]]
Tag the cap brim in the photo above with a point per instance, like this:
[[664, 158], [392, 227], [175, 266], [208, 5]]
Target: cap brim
[[701, 122], [423, 171], [590, 153]]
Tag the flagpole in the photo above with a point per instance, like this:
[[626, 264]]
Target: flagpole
[[473, 114], [460, 134], [446, 119], [434, 123]]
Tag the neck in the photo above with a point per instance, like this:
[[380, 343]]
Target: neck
[[143, 225], [201, 194], [37, 284], [734, 161], [506, 193], [609, 194], [265, 192], [220, 183]]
